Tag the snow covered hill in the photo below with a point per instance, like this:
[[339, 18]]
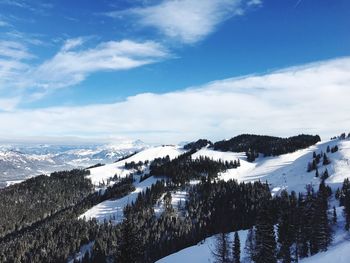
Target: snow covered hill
[[288, 171], [18, 162], [113, 209]]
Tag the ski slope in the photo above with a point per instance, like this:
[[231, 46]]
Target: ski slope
[[102, 173], [287, 171], [202, 252], [113, 209], [339, 251]]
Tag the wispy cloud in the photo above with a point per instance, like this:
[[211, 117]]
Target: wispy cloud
[[14, 50], [3, 23], [312, 99], [72, 64], [188, 21], [33, 6]]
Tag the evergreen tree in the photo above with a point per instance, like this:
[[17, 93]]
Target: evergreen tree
[[325, 175], [317, 174], [286, 228], [236, 251], [346, 203], [221, 253], [130, 244], [321, 231], [265, 237], [250, 245], [326, 161], [334, 219]]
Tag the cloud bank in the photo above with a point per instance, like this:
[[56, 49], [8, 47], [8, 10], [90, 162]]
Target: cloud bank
[[313, 98]]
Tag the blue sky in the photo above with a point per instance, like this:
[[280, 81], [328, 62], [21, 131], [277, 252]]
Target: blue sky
[[78, 56]]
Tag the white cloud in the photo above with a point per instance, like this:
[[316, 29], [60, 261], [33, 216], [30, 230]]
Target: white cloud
[[8, 104], [14, 50], [72, 43], [187, 20], [313, 98], [71, 65]]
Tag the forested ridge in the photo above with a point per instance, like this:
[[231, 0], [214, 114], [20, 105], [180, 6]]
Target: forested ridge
[[252, 145]]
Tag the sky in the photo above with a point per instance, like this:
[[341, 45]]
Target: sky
[[165, 71]]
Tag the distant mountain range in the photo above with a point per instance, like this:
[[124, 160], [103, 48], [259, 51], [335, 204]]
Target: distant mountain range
[[18, 162]]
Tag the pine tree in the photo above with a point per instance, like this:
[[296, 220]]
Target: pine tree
[[321, 231], [130, 243], [346, 203], [265, 237], [325, 175], [99, 252], [334, 219], [250, 245], [236, 251], [286, 229], [221, 253], [326, 161], [304, 215]]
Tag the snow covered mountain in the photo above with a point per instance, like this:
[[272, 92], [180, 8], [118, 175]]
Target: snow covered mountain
[[18, 162], [287, 171]]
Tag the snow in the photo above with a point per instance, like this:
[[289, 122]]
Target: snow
[[102, 173], [338, 252], [287, 171], [178, 200], [202, 252], [83, 250], [113, 209]]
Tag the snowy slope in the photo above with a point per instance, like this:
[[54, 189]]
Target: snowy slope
[[102, 173], [339, 251], [113, 209], [288, 171], [202, 252]]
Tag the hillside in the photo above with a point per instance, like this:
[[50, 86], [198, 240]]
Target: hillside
[[168, 199]]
